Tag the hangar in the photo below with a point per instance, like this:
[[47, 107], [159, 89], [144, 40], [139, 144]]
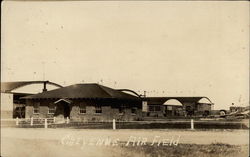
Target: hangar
[[11, 104], [178, 106]]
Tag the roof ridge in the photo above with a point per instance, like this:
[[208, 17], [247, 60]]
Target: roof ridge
[[85, 84], [56, 89], [92, 90], [119, 92], [101, 87]]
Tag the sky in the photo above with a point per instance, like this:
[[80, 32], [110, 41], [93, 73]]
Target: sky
[[166, 48]]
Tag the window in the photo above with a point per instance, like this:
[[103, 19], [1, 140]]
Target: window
[[52, 108], [133, 110], [157, 108], [169, 108], [98, 109], [82, 108], [154, 108], [122, 109], [151, 108], [36, 108]]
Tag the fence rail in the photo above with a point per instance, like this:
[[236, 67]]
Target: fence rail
[[114, 124]]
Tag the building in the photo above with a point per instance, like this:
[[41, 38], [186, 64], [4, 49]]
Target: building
[[178, 106], [237, 108], [84, 102], [94, 102]]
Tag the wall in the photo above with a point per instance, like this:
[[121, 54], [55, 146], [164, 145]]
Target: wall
[[159, 113], [43, 109], [6, 105], [176, 110], [29, 111], [204, 107], [196, 109], [110, 111]]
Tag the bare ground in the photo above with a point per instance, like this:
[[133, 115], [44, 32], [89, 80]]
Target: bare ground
[[20, 142]]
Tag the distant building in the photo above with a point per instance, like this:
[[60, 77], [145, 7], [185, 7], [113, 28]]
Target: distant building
[[182, 106], [11, 104], [237, 108]]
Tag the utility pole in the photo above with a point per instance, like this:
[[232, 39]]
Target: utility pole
[[43, 70]]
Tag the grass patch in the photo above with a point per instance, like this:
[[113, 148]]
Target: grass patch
[[189, 150]]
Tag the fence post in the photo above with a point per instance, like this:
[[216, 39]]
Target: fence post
[[31, 121], [192, 124], [17, 122], [114, 127], [67, 121], [54, 119], [45, 123]]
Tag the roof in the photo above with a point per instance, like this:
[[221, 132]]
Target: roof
[[162, 100], [83, 91], [172, 102], [9, 86]]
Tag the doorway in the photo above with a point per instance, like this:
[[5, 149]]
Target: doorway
[[66, 110], [63, 109], [189, 110]]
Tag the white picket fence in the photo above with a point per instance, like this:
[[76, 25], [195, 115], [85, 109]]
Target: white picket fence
[[50, 121], [45, 122], [35, 121]]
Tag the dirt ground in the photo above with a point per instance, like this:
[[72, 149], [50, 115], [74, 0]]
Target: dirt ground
[[21, 142]]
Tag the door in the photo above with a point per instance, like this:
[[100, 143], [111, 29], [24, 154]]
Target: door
[[62, 110], [66, 110]]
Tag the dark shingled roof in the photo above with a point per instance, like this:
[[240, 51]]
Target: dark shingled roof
[[83, 91]]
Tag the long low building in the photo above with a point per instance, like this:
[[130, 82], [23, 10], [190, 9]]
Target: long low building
[[94, 102], [84, 102]]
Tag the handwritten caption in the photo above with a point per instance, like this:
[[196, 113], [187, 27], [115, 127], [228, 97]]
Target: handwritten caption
[[71, 140]]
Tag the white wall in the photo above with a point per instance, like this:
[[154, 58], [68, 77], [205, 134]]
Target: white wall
[[6, 102]]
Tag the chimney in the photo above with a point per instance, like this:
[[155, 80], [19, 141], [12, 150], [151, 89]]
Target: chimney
[[44, 86]]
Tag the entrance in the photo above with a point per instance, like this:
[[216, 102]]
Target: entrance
[[62, 109], [66, 110], [189, 110], [19, 112]]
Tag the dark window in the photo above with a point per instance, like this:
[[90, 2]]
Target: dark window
[[206, 113], [82, 108], [154, 108], [133, 110], [151, 108], [157, 108], [52, 108], [36, 108], [122, 108], [98, 109]]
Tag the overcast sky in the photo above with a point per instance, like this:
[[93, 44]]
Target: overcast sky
[[165, 48]]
